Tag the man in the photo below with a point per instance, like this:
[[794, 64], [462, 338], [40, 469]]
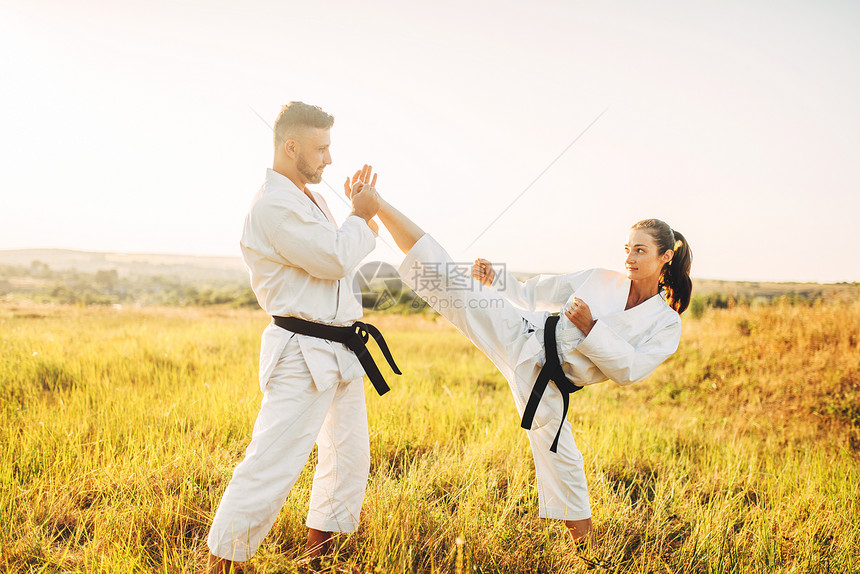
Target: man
[[300, 264]]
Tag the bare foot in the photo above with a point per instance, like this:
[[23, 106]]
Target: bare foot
[[580, 529], [215, 565], [319, 543]]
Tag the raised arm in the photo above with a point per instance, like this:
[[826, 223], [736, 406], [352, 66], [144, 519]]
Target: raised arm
[[540, 293], [621, 361], [319, 247]]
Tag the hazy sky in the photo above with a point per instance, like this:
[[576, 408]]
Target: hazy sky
[[131, 126]]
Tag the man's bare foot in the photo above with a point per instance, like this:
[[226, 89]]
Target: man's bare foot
[[319, 542]]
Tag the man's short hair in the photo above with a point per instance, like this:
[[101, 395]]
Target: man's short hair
[[298, 115]]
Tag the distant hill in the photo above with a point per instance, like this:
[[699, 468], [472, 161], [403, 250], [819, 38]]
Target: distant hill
[[766, 291], [160, 278], [188, 267]]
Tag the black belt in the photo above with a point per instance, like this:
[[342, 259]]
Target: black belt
[[551, 371], [354, 337]]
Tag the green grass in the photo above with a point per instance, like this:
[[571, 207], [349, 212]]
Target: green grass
[[120, 430]]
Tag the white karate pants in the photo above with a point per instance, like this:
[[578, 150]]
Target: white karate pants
[[494, 325], [293, 416]]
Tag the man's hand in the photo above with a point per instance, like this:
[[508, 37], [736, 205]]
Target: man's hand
[[580, 315], [365, 202], [483, 271], [362, 193], [359, 180]]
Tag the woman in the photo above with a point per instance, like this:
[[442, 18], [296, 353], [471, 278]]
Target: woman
[[612, 326]]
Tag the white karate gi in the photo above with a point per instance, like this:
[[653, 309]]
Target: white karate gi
[[301, 265], [506, 323]]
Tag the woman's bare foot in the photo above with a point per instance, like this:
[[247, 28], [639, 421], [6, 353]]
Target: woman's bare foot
[[579, 529], [215, 565]]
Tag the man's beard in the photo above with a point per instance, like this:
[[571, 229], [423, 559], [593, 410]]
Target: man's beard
[[309, 173]]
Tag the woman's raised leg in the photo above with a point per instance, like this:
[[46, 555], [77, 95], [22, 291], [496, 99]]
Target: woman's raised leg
[[487, 319]]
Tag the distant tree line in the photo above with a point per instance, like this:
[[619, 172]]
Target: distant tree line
[[42, 284]]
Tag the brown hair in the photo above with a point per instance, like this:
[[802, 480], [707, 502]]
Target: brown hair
[[297, 115], [675, 276]]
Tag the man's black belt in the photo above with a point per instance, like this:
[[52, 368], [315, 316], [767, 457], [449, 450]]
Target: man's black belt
[[551, 371], [354, 337]]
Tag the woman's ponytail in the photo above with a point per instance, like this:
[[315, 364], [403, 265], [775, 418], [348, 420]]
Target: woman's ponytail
[[675, 276]]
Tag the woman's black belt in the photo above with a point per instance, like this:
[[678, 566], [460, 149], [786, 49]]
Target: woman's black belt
[[551, 371], [354, 337]]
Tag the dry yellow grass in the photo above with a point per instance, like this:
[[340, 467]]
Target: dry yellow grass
[[741, 454]]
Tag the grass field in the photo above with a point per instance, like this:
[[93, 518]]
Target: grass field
[[120, 429]]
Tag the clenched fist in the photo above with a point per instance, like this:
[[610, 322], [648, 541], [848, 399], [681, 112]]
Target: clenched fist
[[579, 314], [483, 271]]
